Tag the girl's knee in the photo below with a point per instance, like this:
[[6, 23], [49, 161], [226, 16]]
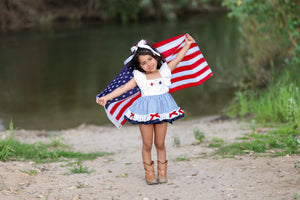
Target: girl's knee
[[147, 147], [160, 146]]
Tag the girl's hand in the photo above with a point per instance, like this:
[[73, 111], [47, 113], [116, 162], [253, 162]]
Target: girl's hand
[[189, 39], [102, 101]]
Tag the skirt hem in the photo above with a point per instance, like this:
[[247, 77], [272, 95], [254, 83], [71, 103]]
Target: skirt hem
[[156, 121]]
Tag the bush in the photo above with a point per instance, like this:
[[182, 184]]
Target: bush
[[271, 37], [278, 103]]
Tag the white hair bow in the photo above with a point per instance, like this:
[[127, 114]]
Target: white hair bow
[[141, 44]]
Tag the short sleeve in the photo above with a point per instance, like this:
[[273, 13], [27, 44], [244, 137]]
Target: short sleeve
[[140, 79], [165, 70], [166, 74]]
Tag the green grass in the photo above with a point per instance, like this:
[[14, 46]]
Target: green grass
[[176, 141], [79, 169], [279, 142], [11, 149], [245, 137], [180, 158], [297, 165], [216, 142], [280, 102], [80, 185], [199, 135], [31, 172], [277, 104]]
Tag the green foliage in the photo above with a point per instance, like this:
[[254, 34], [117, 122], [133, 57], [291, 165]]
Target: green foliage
[[46, 19], [23, 12], [280, 13], [279, 103], [123, 10], [199, 135], [11, 149], [271, 37]]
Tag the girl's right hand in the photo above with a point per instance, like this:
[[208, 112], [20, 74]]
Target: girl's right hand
[[101, 101]]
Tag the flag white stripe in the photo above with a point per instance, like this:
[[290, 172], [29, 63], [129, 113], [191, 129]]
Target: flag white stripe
[[192, 71], [189, 52], [113, 117], [116, 112], [171, 45], [192, 80], [189, 62]]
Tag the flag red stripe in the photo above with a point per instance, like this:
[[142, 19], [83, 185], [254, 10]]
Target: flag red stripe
[[169, 52], [159, 44], [123, 122], [192, 46], [115, 107], [190, 84], [194, 75], [124, 108], [191, 56], [188, 67]]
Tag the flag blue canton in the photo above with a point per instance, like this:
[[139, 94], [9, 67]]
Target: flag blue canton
[[125, 75]]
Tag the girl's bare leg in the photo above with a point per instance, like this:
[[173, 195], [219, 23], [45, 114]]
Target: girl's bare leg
[[159, 141], [147, 136]]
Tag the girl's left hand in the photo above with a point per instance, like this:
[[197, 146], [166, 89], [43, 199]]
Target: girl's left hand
[[189, 39], [102, 101]]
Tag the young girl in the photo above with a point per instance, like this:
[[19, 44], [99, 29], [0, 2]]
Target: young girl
[[155, 107]]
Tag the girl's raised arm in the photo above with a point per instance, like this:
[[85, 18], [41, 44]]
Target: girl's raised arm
[[117, 92], [188, 41]]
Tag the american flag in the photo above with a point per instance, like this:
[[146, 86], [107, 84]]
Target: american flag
[[191, 71]]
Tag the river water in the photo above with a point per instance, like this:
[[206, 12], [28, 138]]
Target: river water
[[49, 76]]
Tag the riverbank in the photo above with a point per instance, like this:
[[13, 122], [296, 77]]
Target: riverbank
[[23, 14], [193, 173]]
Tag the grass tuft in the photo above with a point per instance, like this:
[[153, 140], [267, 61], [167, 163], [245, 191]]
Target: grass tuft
[[279, 142], [11, 149], [180, 158], [176, 141], [31, 172], [79, 169], [216, 142], [199, 135]]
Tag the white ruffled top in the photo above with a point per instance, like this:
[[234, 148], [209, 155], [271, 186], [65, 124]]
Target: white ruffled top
[[154, 86]]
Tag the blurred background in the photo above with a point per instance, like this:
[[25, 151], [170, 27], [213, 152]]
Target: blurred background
[[56, 56]]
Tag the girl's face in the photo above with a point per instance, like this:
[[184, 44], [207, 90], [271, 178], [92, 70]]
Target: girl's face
[[148, 63]]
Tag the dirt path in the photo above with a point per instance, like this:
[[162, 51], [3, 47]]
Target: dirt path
[[121, 176]]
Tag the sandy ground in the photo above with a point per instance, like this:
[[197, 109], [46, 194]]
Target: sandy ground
[[121, 176]]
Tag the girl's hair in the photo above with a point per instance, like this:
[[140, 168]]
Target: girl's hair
[[142, 51]]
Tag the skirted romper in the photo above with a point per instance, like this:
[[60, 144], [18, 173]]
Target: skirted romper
[[155, 105]]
